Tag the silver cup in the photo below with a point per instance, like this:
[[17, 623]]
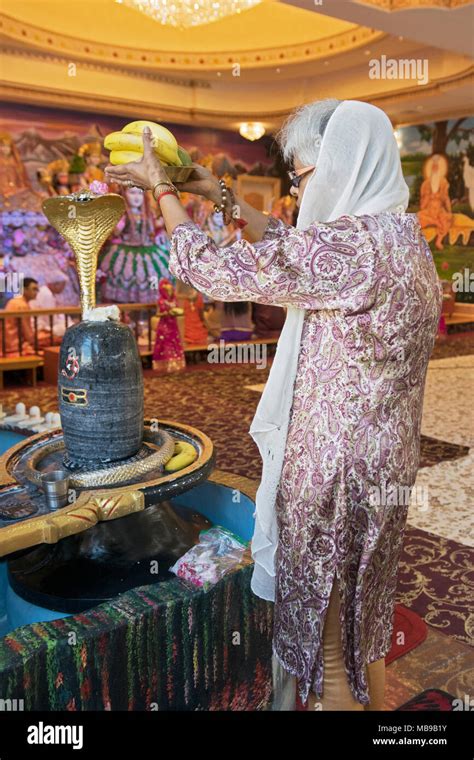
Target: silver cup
[[56, 488]]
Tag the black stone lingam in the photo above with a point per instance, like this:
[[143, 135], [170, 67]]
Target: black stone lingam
[[100, 388], [100, 375]]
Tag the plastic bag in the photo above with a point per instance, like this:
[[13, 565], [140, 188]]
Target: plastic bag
[[217, 552]]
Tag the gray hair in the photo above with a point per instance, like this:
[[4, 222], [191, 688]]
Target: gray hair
[[300, 136]]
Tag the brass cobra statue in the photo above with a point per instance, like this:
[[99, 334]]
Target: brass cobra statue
[[100, 378], [86, 221]]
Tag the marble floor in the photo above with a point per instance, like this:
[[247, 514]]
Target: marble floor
[[448, 411], [448, 415]]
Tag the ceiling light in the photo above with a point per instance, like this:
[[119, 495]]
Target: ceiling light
[[252, 130], [187, 13]]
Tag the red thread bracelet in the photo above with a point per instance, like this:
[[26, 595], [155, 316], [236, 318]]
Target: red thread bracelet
[[166, 192]]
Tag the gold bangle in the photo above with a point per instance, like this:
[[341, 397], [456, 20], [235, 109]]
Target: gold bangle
[[163, 182]]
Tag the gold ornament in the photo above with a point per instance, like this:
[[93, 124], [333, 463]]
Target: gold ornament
[[90, 149], [85, 221], [87, 511]]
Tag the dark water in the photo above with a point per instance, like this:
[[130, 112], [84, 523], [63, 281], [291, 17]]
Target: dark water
[[84, 570]]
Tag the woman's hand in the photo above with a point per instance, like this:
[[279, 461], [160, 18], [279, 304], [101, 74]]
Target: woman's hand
[[145, 173], [201, 182]]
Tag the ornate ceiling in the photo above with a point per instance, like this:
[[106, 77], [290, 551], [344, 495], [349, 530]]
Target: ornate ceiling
[[257, 37], [434, 23], [97, 55]]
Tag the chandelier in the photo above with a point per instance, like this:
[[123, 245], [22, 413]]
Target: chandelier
[[398, 5], [252, 130], [186, 13]]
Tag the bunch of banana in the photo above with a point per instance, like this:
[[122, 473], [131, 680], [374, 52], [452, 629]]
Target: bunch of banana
[[127, 145], [184, 454]]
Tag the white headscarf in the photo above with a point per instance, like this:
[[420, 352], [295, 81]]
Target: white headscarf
[[358, 171]]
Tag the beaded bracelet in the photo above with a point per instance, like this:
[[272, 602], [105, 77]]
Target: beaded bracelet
[[233, 205], [223, 202], [222, 207]]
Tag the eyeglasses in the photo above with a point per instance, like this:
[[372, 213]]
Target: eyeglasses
[[296, 176]]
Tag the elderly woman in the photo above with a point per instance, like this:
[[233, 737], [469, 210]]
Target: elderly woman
[[338, 425]]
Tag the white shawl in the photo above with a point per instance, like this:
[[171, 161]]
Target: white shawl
[[358, 171]]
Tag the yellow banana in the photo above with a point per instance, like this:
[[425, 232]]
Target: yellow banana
[[184, 454], [118, 157], [124, 141], [166, 152], [156, 129], [130, 140]]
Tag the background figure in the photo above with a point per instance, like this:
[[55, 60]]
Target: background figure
[[21, 302], [63, 257], [13, 176], [15, 187], [468, 177], [51, 285], [192, 303], [222, 234], [136, 256], [57, 177], [284, 208], [47, 266], [92, 154], [168, 355], [236, 320], [201, 211], [435, 203]]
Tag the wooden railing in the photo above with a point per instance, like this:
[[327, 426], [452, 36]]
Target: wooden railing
[[72, 314]]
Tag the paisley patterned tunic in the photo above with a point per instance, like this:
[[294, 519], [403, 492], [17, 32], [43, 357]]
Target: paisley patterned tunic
[[373, 302]]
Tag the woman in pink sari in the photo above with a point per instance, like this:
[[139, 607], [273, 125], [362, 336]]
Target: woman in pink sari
[[168, 354], [338, 424]]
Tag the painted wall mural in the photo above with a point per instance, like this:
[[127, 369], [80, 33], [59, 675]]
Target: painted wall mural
[[46, 151], [438, 165], [55, 150]]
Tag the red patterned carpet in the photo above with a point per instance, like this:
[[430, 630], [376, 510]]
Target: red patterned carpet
[[434, 580], [409, 630], [218, 402], [432, 700]]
